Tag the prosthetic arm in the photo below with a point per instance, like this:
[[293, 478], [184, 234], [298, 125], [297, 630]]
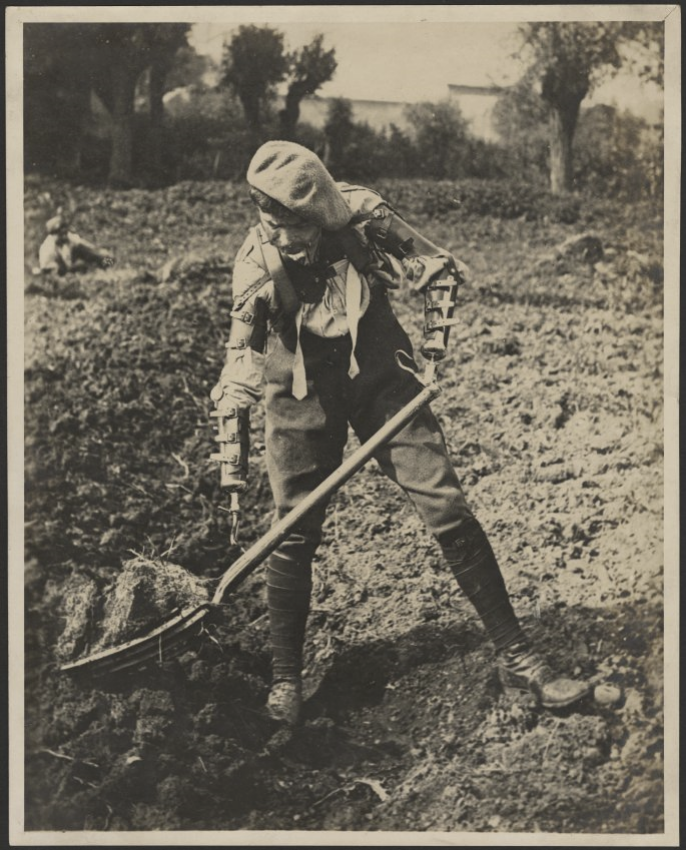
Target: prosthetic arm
[[236, 390], [394, 235], [233, 445]]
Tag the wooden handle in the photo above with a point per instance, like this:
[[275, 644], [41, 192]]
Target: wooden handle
[[261, 549]]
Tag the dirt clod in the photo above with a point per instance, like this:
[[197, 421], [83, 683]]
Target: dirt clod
[[145, 593]]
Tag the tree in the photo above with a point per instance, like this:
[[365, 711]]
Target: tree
[[57, 59], [441, 137], [567, 60], [616, 152], [520, 116], [338, 132], [253, 62], [64, 62], [165, 42], [310, 68], [126, 51], [188, 68]]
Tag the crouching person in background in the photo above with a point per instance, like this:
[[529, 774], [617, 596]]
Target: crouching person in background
[[65, 251], [315, 271]]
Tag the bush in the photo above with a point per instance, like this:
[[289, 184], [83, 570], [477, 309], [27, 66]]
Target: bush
[[499, 198], [617, 153], [208, 137], [442, 138]]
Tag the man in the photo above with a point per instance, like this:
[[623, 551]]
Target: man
[[64, 251], [316, 269]]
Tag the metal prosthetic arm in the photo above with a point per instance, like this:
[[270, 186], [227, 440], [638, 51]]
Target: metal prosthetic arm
[[232, 414], [439, 305], [231, 419], [394, 235], [233, 445]]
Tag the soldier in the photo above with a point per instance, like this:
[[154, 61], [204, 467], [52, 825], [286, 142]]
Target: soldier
[[65, 251], [316, 270]]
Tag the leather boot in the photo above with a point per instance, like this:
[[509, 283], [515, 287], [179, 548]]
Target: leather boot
[[521, 669], [285, 701]]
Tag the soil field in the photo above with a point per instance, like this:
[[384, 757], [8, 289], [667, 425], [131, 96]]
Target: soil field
[[552, 407]]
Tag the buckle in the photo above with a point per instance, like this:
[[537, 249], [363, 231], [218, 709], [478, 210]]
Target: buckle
[[405, 248], [243, 315], [437, 303], [227, 438], [444, 284], [234, 460], [437, 324]]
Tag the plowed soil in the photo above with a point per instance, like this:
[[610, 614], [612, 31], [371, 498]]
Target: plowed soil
[[552, 407]]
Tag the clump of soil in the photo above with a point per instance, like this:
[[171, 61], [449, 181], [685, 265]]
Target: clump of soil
[[81, 606], [146, 593]]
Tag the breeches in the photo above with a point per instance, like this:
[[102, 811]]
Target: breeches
[[306, 438]]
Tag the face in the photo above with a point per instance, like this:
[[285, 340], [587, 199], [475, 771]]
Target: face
[[291, 234]]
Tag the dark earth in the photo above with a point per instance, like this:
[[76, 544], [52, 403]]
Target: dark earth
[[552, 407]]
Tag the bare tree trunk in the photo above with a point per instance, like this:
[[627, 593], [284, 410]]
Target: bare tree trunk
[[158, 74], [75, 114], [123, 86], [562, 127], [156, 159], [290, 113]]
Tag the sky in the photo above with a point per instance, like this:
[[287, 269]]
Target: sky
[[414, 61], [396, 61]]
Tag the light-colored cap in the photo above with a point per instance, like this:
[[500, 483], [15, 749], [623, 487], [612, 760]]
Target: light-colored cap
[[296, 178]]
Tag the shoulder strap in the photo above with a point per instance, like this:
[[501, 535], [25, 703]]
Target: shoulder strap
[[272, 260], [354, 249], [245, 296]]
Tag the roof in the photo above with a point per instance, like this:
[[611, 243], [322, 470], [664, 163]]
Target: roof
[[458, 88]]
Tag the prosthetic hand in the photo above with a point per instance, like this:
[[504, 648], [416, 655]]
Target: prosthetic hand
[[233, 438], [232, 425], [393, 234], [439, 305]]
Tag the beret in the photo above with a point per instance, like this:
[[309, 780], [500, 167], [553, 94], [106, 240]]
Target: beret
[[296, 177]]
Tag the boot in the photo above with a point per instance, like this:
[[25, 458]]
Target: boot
[[285, 701], [289, 584], [521, 669]]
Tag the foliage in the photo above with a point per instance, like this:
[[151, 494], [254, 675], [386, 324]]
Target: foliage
[[252, 63], [520, 117], [187, 70], [309, 68], [338, 130], [63, 62], [617, 153], [452, 200], [354, 151], [208, 135], [441, 136], [310, 137], [567, 60], [358, 152], [255, 61]]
